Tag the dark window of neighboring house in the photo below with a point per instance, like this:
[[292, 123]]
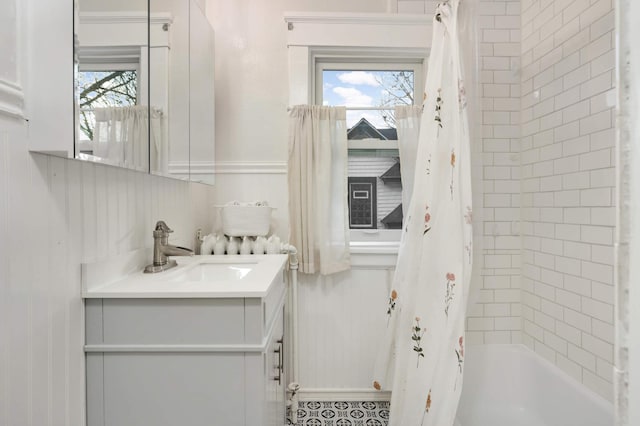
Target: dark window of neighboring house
[[362, 203]]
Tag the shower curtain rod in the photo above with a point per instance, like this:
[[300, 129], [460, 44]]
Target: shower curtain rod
[[360, 108]]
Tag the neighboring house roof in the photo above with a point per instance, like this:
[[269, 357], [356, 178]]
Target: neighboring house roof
[[393, 174], [365, 130], [390, 134], [394, 219]]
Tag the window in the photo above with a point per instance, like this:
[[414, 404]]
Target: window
[[362, 202], [104, 88], [105, 77], [370, 90]]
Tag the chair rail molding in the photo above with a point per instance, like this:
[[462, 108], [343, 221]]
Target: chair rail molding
[[251, 167]]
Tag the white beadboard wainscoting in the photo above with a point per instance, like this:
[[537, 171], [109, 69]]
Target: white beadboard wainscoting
[[54, 215], [341, 321], [341, 318]]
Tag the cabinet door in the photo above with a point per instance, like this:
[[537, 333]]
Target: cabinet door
[[281, 393], [165, 389], [274, 372]]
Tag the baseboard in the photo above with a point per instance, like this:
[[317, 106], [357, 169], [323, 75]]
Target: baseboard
[[343, 395]]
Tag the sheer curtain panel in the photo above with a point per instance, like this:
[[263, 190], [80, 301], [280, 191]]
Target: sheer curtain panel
[[121, 136], [317, 173]]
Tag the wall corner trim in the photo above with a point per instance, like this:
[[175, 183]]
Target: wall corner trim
[[11, 99]]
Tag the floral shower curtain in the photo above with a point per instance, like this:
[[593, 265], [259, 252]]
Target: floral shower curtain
[[422, 355]]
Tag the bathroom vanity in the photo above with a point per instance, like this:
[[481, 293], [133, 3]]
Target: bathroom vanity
[[201, 344]]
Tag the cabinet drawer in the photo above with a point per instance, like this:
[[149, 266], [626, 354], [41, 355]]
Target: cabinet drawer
[[272, 301], [260, 313], [164, 321]]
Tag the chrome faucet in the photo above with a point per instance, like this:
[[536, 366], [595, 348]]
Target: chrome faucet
[[162, 249]]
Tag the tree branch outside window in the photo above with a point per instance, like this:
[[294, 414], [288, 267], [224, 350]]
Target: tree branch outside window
[[101, 89]]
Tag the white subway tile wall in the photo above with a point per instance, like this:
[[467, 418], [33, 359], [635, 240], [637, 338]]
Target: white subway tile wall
[[496, 315], [568, 180]]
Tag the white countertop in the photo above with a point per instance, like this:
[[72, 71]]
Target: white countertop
[[173, 284]]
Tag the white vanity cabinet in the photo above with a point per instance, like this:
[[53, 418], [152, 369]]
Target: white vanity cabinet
[[188, 361]]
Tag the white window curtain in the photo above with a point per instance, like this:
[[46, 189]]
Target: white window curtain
[[317, 173], [121, 136], [408, 127], [158, 143]]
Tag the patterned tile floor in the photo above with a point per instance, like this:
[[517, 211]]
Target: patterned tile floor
[[312, 413]]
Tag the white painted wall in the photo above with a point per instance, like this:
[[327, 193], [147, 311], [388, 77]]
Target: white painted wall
[[54, 215], [9, 41], [251, 80]]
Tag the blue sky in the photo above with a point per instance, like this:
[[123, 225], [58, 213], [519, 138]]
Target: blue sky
[[355, 89], [86, 78]]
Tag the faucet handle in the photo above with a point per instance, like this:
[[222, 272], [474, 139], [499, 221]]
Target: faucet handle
[[162, 226]]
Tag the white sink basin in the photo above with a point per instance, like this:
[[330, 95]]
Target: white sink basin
[[195, 276], [216, 272]]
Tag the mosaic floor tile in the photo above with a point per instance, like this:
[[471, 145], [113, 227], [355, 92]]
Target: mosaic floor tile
[[314, 413]]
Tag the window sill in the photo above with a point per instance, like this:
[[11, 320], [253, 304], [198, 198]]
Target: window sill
[[374, 254], [374, 247]]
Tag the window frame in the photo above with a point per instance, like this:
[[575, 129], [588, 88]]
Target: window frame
[[103, 59], [113, 59], [86, 145], [377, 62], [366, 63]]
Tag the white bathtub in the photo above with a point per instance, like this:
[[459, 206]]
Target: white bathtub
[[509, 385]]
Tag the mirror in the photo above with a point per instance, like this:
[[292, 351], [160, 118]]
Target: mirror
[[144, 86]]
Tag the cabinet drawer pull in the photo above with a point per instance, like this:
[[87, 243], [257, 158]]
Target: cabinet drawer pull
[[278, 351], [281, 350]]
